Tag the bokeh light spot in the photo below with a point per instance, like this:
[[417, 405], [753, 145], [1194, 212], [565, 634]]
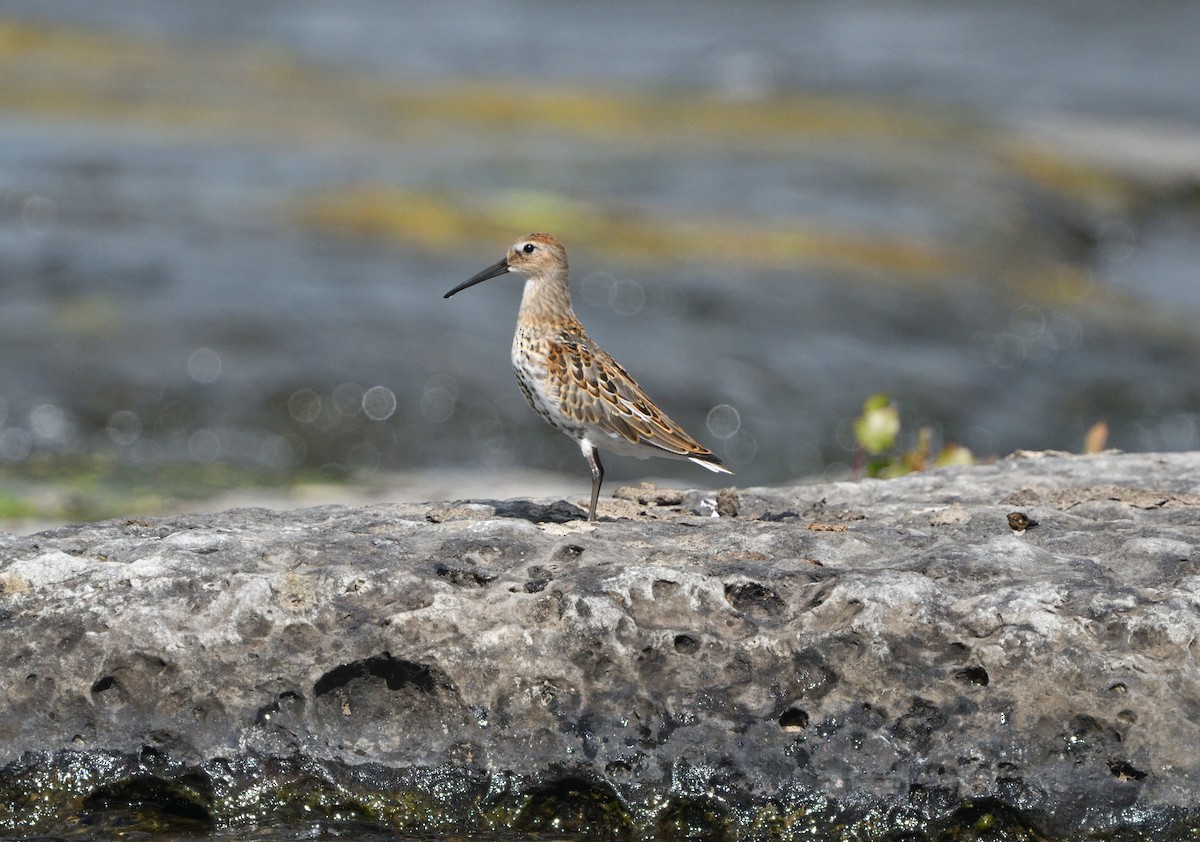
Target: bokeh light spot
[[204, 365], [48, 423], [204, 446], [845, 435], [741, 447], [1005, 351], [304, 406], [439, 398], [724, 421], [279, 452], [627, 297], [1067, 330], [379, 403], [1027, 322], [124, 427], [15, 445]]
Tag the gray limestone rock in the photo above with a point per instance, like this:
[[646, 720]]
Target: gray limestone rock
[[845, 660]]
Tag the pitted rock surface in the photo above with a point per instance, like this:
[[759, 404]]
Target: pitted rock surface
[[858, 648]]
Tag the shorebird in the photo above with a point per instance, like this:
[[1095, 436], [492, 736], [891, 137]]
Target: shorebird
[[570, 381]]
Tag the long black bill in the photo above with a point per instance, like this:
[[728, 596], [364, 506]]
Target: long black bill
[[490, 272]]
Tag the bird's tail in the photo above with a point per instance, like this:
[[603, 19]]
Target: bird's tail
[[713, 464]]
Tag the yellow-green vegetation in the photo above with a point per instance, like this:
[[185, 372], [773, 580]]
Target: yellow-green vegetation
[[96, 487], [1102, 189], [575, 808], [443, 221], [14, 506], [58, 70], [877, 431], [260, 92], [88, 316]]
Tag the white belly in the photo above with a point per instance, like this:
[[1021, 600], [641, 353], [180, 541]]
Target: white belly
[[530, 367]]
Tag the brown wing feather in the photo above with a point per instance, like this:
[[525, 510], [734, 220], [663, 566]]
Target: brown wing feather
[[597, 391]]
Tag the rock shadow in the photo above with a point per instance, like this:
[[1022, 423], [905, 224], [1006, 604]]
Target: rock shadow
[[558, 512]]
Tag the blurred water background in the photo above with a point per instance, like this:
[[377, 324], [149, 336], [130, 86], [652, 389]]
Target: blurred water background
[[226, 228]]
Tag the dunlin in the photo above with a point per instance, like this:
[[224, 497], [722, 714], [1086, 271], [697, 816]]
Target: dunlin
[[570, 381]]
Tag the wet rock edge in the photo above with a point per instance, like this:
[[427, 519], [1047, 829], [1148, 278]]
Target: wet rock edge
[[851, 660]]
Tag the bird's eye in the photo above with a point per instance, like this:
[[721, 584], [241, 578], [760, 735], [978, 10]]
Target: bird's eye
[[528, 248]]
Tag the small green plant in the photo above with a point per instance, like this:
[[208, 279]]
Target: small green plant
[[877, 431]]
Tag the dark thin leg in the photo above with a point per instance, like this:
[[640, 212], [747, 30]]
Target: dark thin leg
[[593, 457]]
